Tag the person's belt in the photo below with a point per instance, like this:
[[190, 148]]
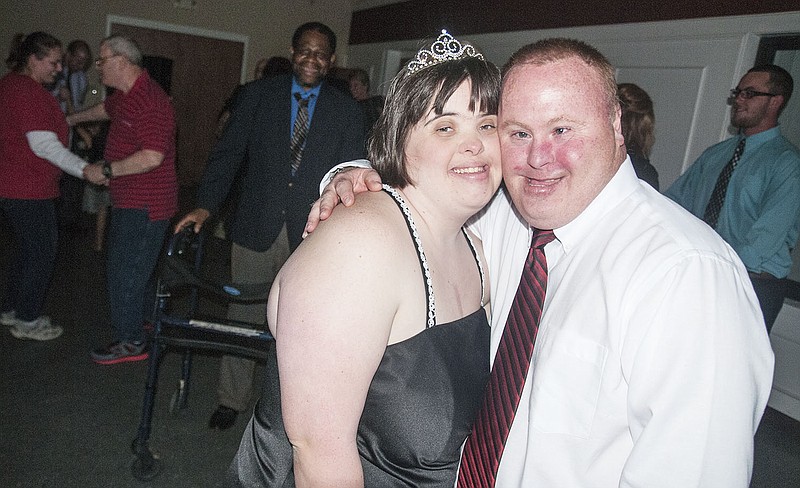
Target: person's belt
[[763, 276]]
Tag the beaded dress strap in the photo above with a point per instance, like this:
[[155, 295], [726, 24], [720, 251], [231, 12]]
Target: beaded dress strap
[[423, 262], [401, 203]]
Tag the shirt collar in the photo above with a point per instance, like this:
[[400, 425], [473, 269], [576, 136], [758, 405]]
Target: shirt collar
[[757, 140], [296, 88], [623, 183]]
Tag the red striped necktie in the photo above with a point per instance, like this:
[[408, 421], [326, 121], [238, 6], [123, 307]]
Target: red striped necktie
[[484, 447]]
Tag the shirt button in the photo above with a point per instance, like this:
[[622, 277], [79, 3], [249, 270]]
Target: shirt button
[[291, 184]]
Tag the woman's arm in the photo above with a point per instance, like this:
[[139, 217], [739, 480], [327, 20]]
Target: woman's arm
[[329, 344], [45, 144]]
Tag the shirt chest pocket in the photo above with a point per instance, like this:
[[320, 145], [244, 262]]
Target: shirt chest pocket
[[566, 384]]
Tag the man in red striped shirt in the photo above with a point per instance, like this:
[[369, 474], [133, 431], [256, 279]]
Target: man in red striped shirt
[[139, 168]]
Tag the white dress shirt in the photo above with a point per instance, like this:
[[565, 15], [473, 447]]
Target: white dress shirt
[[652, 366]]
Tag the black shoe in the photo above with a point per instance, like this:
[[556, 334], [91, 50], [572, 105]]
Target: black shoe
[[223, 418]]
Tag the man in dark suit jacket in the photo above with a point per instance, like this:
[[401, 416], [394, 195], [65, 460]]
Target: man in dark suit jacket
[[276, 194]]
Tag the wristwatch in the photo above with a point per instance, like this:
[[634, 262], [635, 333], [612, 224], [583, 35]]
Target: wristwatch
[[107, 171]]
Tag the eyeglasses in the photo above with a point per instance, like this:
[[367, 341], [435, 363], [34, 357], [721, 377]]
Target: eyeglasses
[[100, 61], [308, 53], [747, 93]]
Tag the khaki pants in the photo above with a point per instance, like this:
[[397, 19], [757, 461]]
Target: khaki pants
[[236, 375]]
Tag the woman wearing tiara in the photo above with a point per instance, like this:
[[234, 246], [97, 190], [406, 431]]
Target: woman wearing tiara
[[388, 398]]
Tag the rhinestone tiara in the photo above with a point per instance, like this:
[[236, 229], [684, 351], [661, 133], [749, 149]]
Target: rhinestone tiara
[[445, 48]]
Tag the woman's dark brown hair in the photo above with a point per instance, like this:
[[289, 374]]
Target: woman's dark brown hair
[[638, 119], [412, 96], [37, 43]]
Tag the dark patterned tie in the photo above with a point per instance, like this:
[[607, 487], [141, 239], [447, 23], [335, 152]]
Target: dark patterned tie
[[484, 447], [299, 131], [711, 214]]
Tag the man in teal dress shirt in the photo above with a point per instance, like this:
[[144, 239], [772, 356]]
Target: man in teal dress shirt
[[760, 211]]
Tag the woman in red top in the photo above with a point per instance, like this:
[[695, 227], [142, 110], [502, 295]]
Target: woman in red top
[[33, 135]]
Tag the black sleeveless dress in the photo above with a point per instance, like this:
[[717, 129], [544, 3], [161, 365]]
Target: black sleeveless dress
[[419, 409]]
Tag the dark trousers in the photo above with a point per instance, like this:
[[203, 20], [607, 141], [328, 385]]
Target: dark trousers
[[69, 212], [33, 223], [770, 292], [134, 244]]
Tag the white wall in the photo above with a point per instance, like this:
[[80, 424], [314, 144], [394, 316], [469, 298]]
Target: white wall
[[686, 66], [267, 24], [790, 118], [785, 339]]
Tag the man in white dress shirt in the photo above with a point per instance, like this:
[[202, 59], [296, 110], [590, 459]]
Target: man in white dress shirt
[[652, 366]]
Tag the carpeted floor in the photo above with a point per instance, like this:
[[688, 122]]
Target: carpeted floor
[[66, 422]]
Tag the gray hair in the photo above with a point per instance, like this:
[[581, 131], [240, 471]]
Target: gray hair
[[124, 46]]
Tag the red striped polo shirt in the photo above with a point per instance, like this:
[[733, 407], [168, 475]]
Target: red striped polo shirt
[[142, 119]]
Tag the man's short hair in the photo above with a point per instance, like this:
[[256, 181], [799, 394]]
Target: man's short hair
[[315, 27], [780, 81], [79, 45], [124, 46], [555, 49]]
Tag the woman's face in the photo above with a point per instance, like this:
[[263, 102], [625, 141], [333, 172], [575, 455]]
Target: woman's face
[[46, 69], [456, 154]]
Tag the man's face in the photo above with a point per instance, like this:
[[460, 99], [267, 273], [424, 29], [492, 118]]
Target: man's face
[[109, 64], [78, 61], [560, 141], [311, 59], [753, 115]]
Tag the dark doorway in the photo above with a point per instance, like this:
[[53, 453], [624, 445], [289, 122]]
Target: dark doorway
[[200, 73], [160, 69], [769, 46]]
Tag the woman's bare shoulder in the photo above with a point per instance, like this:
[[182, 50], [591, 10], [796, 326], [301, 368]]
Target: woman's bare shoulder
[[356, 260], [373, 218]]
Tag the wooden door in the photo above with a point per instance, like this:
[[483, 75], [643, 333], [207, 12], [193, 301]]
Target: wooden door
[[205, 71]]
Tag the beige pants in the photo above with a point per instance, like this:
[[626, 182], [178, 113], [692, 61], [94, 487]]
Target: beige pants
[[236, 375]]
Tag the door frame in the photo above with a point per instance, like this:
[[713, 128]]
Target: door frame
[[184, 29], [193, 146]]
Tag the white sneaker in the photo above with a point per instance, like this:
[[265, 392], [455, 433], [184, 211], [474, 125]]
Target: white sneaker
[[38, 330], [9, 318]]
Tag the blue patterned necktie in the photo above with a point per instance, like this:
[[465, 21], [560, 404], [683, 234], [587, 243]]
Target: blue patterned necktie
[[299, 131]]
